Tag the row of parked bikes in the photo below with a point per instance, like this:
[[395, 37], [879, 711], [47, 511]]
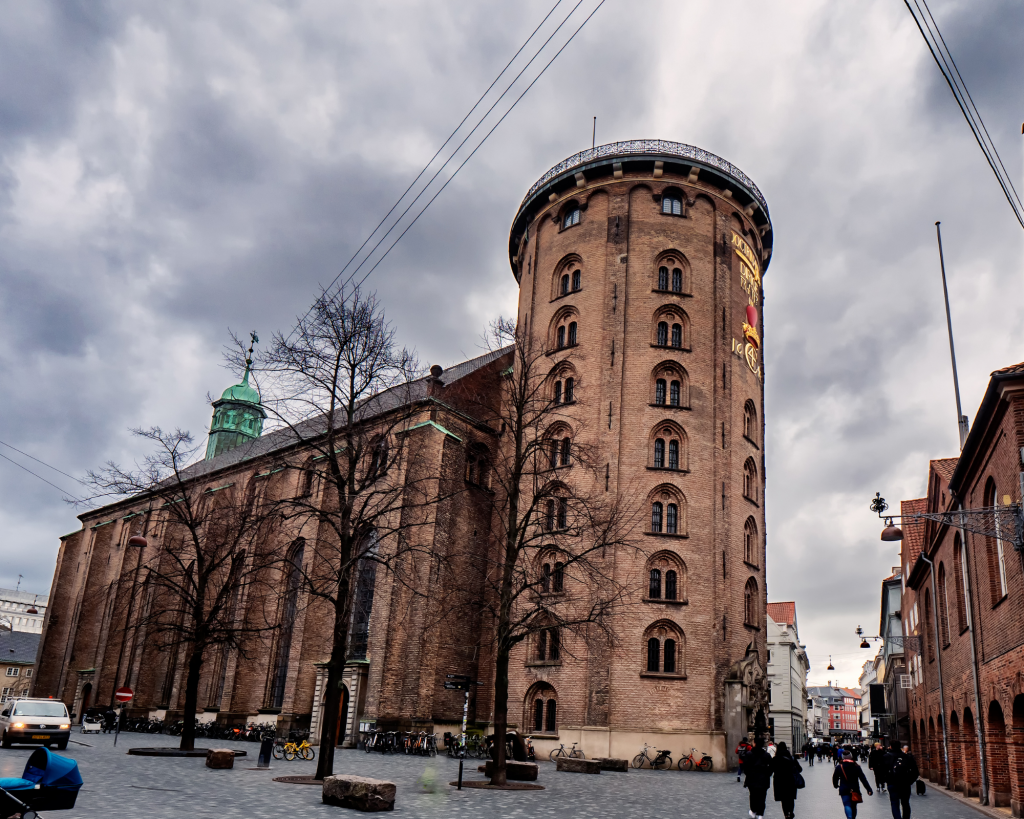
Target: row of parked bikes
[[475, 746], [253, 732]]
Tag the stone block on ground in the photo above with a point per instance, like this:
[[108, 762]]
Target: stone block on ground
[[359, 793], [570, 765], [610, 764], [514, 771], [220, 758]]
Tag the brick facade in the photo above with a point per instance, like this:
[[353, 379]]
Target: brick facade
[[607, 219], [970, 595]]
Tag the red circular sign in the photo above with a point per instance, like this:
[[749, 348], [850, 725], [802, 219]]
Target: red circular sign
[[123, 694]]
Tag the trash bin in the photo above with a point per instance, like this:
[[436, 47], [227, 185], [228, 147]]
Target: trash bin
[[266, 747]]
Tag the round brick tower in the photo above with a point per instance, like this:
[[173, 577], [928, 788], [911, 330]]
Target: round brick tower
[[640, 265]]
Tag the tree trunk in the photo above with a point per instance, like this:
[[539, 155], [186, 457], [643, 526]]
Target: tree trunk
[[188, 716], [500, 712], [331, 698]]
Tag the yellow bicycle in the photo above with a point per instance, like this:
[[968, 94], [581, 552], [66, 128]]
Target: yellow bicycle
[[292, 749]]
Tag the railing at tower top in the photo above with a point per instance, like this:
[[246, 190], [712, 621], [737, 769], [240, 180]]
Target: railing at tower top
[[650, 147]]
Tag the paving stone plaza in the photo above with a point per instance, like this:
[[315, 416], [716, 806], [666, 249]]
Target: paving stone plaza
[[131, 787]]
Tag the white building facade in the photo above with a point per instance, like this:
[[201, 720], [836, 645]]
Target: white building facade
[[788, 667], [22, 611]]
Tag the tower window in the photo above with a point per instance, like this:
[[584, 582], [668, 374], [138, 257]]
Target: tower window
[[572, 217], [570, 386], [545, 578], [561, 337], [677, 280], [659, 391], [677, 335], [673, 394], [657, 511], [558, 578], [663, 278], [673, 454], [558, 392], [671, 518], [672, 206], [662, 334], [564, 289], [565, 451], [563, 513], [576, 280], [670, 585], [654, 585], [572, 333], [659, 454]]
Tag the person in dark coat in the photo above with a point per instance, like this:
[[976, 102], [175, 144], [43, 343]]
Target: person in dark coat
[[875, 764], [784, 771], [757, 765], [847, 777], [900, 773]]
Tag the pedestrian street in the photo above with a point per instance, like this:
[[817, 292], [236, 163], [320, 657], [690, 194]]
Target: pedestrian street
[[131, 787]]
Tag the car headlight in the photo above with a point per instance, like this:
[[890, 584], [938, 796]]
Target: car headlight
[[18, 725], [66, 727]]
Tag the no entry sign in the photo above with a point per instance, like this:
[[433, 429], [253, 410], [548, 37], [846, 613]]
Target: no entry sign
[[123, 694]]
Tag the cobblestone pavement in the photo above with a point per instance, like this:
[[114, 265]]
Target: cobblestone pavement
[[118, 786]]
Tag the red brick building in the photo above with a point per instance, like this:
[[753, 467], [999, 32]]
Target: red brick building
[[962, 602], [640, 268]]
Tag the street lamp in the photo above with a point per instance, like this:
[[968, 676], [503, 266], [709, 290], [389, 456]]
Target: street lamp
[[830, 667]]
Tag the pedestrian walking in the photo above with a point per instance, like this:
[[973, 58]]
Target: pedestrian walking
[[785, 770], [847, 776], [742, 749], [901, 773], [757, 765], [875, 765]]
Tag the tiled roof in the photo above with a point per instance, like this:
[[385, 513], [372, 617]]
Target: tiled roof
[[376, 405], [18, 646], [783, 612], [1013, 369], [913, 531], [944, 467]]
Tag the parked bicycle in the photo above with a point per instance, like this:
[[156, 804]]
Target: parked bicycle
[[660, 760], [297, 745], [572, 753], [688, 763]]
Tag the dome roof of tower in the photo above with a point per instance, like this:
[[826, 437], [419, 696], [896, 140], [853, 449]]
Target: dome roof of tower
[[241, 392]]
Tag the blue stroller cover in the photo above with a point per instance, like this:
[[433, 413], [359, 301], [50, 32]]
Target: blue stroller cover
[[57, 777]]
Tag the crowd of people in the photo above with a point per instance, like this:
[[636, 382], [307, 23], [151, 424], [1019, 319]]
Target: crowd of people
[[764, 765]]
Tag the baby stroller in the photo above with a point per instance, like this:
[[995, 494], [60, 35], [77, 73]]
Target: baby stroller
[[50, 782], [92, 722]]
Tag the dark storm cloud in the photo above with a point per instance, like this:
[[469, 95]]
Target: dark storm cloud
[[169, 171]]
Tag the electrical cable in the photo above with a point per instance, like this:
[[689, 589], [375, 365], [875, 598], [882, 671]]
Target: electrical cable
[[30, 472], [465, 140], [44, 463], [439, 150], [480, 145], [947, 66]]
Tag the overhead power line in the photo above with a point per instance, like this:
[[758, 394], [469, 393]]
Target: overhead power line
[[44, 463], [929, 29], [36, 475]]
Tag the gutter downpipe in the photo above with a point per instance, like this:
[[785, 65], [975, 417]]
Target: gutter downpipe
[[938, 662], [982, 756]]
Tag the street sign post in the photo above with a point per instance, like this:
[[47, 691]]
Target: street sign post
[[122, 695], [462, 682]]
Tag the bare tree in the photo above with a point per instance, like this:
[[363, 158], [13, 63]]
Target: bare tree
[[207, 548], [549, 574], [347, 392]]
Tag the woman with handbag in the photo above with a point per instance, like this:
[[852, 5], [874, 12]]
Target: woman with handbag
[[847, 777], [786, 778]]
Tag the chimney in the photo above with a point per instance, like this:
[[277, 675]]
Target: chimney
[[435, 386]]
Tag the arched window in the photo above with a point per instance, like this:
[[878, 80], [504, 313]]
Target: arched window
[[671, 273], [671, 591], [362, 603], [551, 726], [671, 519], [548, 646], [307, 477], [663, 278], [670, 385], [378, 459], [549, 515], [659, 453], [659, 391], [668, 448], [943, 606], [750, 480], [561, 337], [542, 645], [572, 333], [928, 635], [292, 585], [565, 451], [577, 280], [673, 454], [750, 422], [558, 578], [558, 392], [654, 584], [958, 575], [545, 578], [538, 715], [672, 205], [673, 398], [751, 604], [677, 280], [552, 453], [677, 335], [570, 389], [664, 643], [478, 465], [996, 549], [657, 511], [572, 217], [663, 334], [564, 287], [750, 542], [563, 513]]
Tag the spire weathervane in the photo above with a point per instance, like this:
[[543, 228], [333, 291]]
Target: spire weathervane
[[253, 341]]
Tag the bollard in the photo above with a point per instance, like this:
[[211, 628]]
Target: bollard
[[266, 746], [460, 776]]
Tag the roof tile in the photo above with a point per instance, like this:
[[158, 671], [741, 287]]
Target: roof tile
[[783, 612], [913, 530]]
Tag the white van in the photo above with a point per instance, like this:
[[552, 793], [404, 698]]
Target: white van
[[35, 722]]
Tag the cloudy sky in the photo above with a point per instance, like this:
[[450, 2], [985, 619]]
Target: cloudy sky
[[170, 171]]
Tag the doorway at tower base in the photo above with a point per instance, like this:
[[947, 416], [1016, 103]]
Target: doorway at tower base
[[746, 703], [621, 743]]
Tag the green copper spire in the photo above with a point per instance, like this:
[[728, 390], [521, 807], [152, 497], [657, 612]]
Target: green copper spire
[[238, 415]]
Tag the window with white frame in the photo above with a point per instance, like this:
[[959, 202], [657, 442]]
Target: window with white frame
[[13, 672]]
